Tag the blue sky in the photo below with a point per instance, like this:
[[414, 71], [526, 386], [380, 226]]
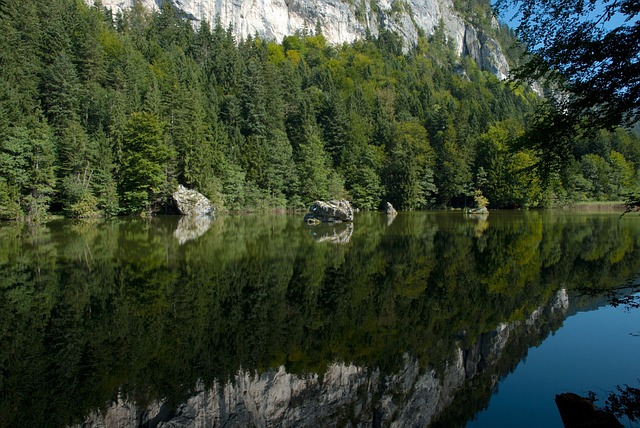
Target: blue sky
[[616, 21]]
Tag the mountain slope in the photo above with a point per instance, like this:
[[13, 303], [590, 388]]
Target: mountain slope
[[343, 21]]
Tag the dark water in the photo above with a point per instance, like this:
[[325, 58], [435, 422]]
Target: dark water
[[264, 321]]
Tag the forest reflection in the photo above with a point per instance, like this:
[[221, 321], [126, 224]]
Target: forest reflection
[[141, 309]]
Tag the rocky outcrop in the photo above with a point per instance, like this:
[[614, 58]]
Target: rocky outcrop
[[391, 213], [341, 21], [329, 211], [485, 51], [192, 203]]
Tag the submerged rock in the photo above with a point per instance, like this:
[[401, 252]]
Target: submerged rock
[[329, 212], [190, 202]]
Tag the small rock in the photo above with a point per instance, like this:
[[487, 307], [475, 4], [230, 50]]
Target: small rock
[[481, 210]]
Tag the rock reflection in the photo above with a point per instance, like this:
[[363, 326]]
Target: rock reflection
[[481, 218], [391, 217], [333, 233], [191, 227]]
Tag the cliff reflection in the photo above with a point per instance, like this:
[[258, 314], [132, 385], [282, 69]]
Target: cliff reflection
[[255, 321]]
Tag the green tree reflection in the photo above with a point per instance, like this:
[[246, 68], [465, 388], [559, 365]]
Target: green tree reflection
[[93, 311]]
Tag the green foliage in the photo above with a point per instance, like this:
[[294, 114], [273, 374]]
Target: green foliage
[[144, 162], [132, 104], [410, 162], [587, 53], [509, 179], [27, 159], [9, 201], [480, 200], [317, 180]]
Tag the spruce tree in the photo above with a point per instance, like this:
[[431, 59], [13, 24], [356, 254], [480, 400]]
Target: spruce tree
[[144, 159]]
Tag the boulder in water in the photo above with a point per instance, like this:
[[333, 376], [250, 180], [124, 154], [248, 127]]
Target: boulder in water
[[190, 202], [330, 211], [390, 210]]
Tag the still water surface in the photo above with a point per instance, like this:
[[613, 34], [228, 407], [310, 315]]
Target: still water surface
[[592, 351], [428, 319]]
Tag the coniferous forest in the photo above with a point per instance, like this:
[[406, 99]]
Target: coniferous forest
[[104, 114]]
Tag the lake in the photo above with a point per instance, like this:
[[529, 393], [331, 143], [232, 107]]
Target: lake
[[426, 319]]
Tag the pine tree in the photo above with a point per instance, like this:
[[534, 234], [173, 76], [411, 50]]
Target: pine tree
[[27, 159], [103, 182], [362, 163], [144, 159], [409, 159], [317, 179]]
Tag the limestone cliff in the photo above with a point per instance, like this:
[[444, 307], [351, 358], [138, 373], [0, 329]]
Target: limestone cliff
[[342, 21]]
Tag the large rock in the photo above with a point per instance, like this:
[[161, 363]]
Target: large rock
[[330, 211], [390, 210], [190, 202]]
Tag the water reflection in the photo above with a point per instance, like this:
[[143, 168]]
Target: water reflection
[[391, 216], [334, 233], [410, 396], [253, 321], [192, 227]]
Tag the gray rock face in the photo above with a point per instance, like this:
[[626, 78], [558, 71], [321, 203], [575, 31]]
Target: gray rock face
[[330, 211], [485, 51], [192, 203], [341, 21]]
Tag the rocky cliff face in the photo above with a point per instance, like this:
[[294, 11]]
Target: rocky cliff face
[[341, 21], [345, 395]]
